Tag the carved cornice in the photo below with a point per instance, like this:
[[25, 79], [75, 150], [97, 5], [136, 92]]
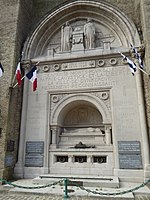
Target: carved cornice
[[95, 62]]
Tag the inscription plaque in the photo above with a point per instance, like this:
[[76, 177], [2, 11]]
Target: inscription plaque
[[130, 161], [9, 161], [34, 154], [34, 160], [10, 145], [78, 65], [35, 147], [129, 147], [129, 155]]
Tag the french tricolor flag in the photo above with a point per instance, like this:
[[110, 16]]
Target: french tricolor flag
[[18, 74], [1, 70], [31, 75]]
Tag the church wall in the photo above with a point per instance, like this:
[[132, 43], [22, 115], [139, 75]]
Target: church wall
[[14, 29], [145, 15], [42, 7], [9, 15]]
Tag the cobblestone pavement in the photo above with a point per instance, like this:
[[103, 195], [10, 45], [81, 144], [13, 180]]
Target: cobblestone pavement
[[5, 195], [17, 196], [57, 193]]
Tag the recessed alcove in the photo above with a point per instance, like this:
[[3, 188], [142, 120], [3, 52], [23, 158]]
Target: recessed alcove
[[82, 123]]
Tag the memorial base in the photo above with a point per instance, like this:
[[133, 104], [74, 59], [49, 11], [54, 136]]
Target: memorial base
[[126, 175], [147, 172], [86, 181]]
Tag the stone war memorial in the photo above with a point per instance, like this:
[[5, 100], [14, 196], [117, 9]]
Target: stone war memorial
[[89, 116]]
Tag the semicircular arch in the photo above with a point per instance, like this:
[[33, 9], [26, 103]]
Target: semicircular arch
[[67, 103], [101, 11]]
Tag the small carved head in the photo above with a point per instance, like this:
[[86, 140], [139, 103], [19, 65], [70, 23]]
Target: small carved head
[[67, 24], [89, 19]]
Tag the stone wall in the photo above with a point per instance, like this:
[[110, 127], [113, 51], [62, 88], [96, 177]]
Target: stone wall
[[145, 16], [42, 7], [14, 27]]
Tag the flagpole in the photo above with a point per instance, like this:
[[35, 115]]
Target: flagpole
[[14, 77], [143, 71], [17, 82], [37, 63], [137, 66], [23, 76]]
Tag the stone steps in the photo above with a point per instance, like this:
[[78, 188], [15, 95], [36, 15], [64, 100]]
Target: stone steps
[[87, 181]]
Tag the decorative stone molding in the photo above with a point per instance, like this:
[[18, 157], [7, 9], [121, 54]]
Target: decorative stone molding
[[100, 63], [124, 61], [55, 98], [113, 61], [100, 12], [60, 108], [46, 68], [104, 95], [56, 67], [50, 67]]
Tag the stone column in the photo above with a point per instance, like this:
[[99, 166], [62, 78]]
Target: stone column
[[108, 135], [89, 159], [70, 159], [142, 115], [54, 136], [145, 22], [107, 45], [19, 167]]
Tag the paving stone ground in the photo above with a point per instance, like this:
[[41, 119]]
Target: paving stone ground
[[56, 192], [5, 195]]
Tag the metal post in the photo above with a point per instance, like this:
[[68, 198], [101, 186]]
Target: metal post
[[66, 190]]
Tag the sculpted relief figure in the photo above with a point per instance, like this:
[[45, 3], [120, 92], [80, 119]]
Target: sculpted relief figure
[[79, 38], [89, 34], [66, 37]]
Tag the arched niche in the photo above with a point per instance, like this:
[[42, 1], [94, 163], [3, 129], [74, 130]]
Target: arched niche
[[83, 114], [76, 101], [103, 14]]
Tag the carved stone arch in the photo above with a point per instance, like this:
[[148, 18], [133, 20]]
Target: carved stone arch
[[99, 11], [65, 104]]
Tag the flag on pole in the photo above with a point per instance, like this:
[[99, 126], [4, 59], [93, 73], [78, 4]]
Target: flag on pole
[[138, 56], [31, 75], [131, 64], [18, 74], [1, 70]]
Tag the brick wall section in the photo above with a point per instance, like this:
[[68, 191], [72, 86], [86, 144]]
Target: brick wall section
[[15, 25], [145, 14]]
